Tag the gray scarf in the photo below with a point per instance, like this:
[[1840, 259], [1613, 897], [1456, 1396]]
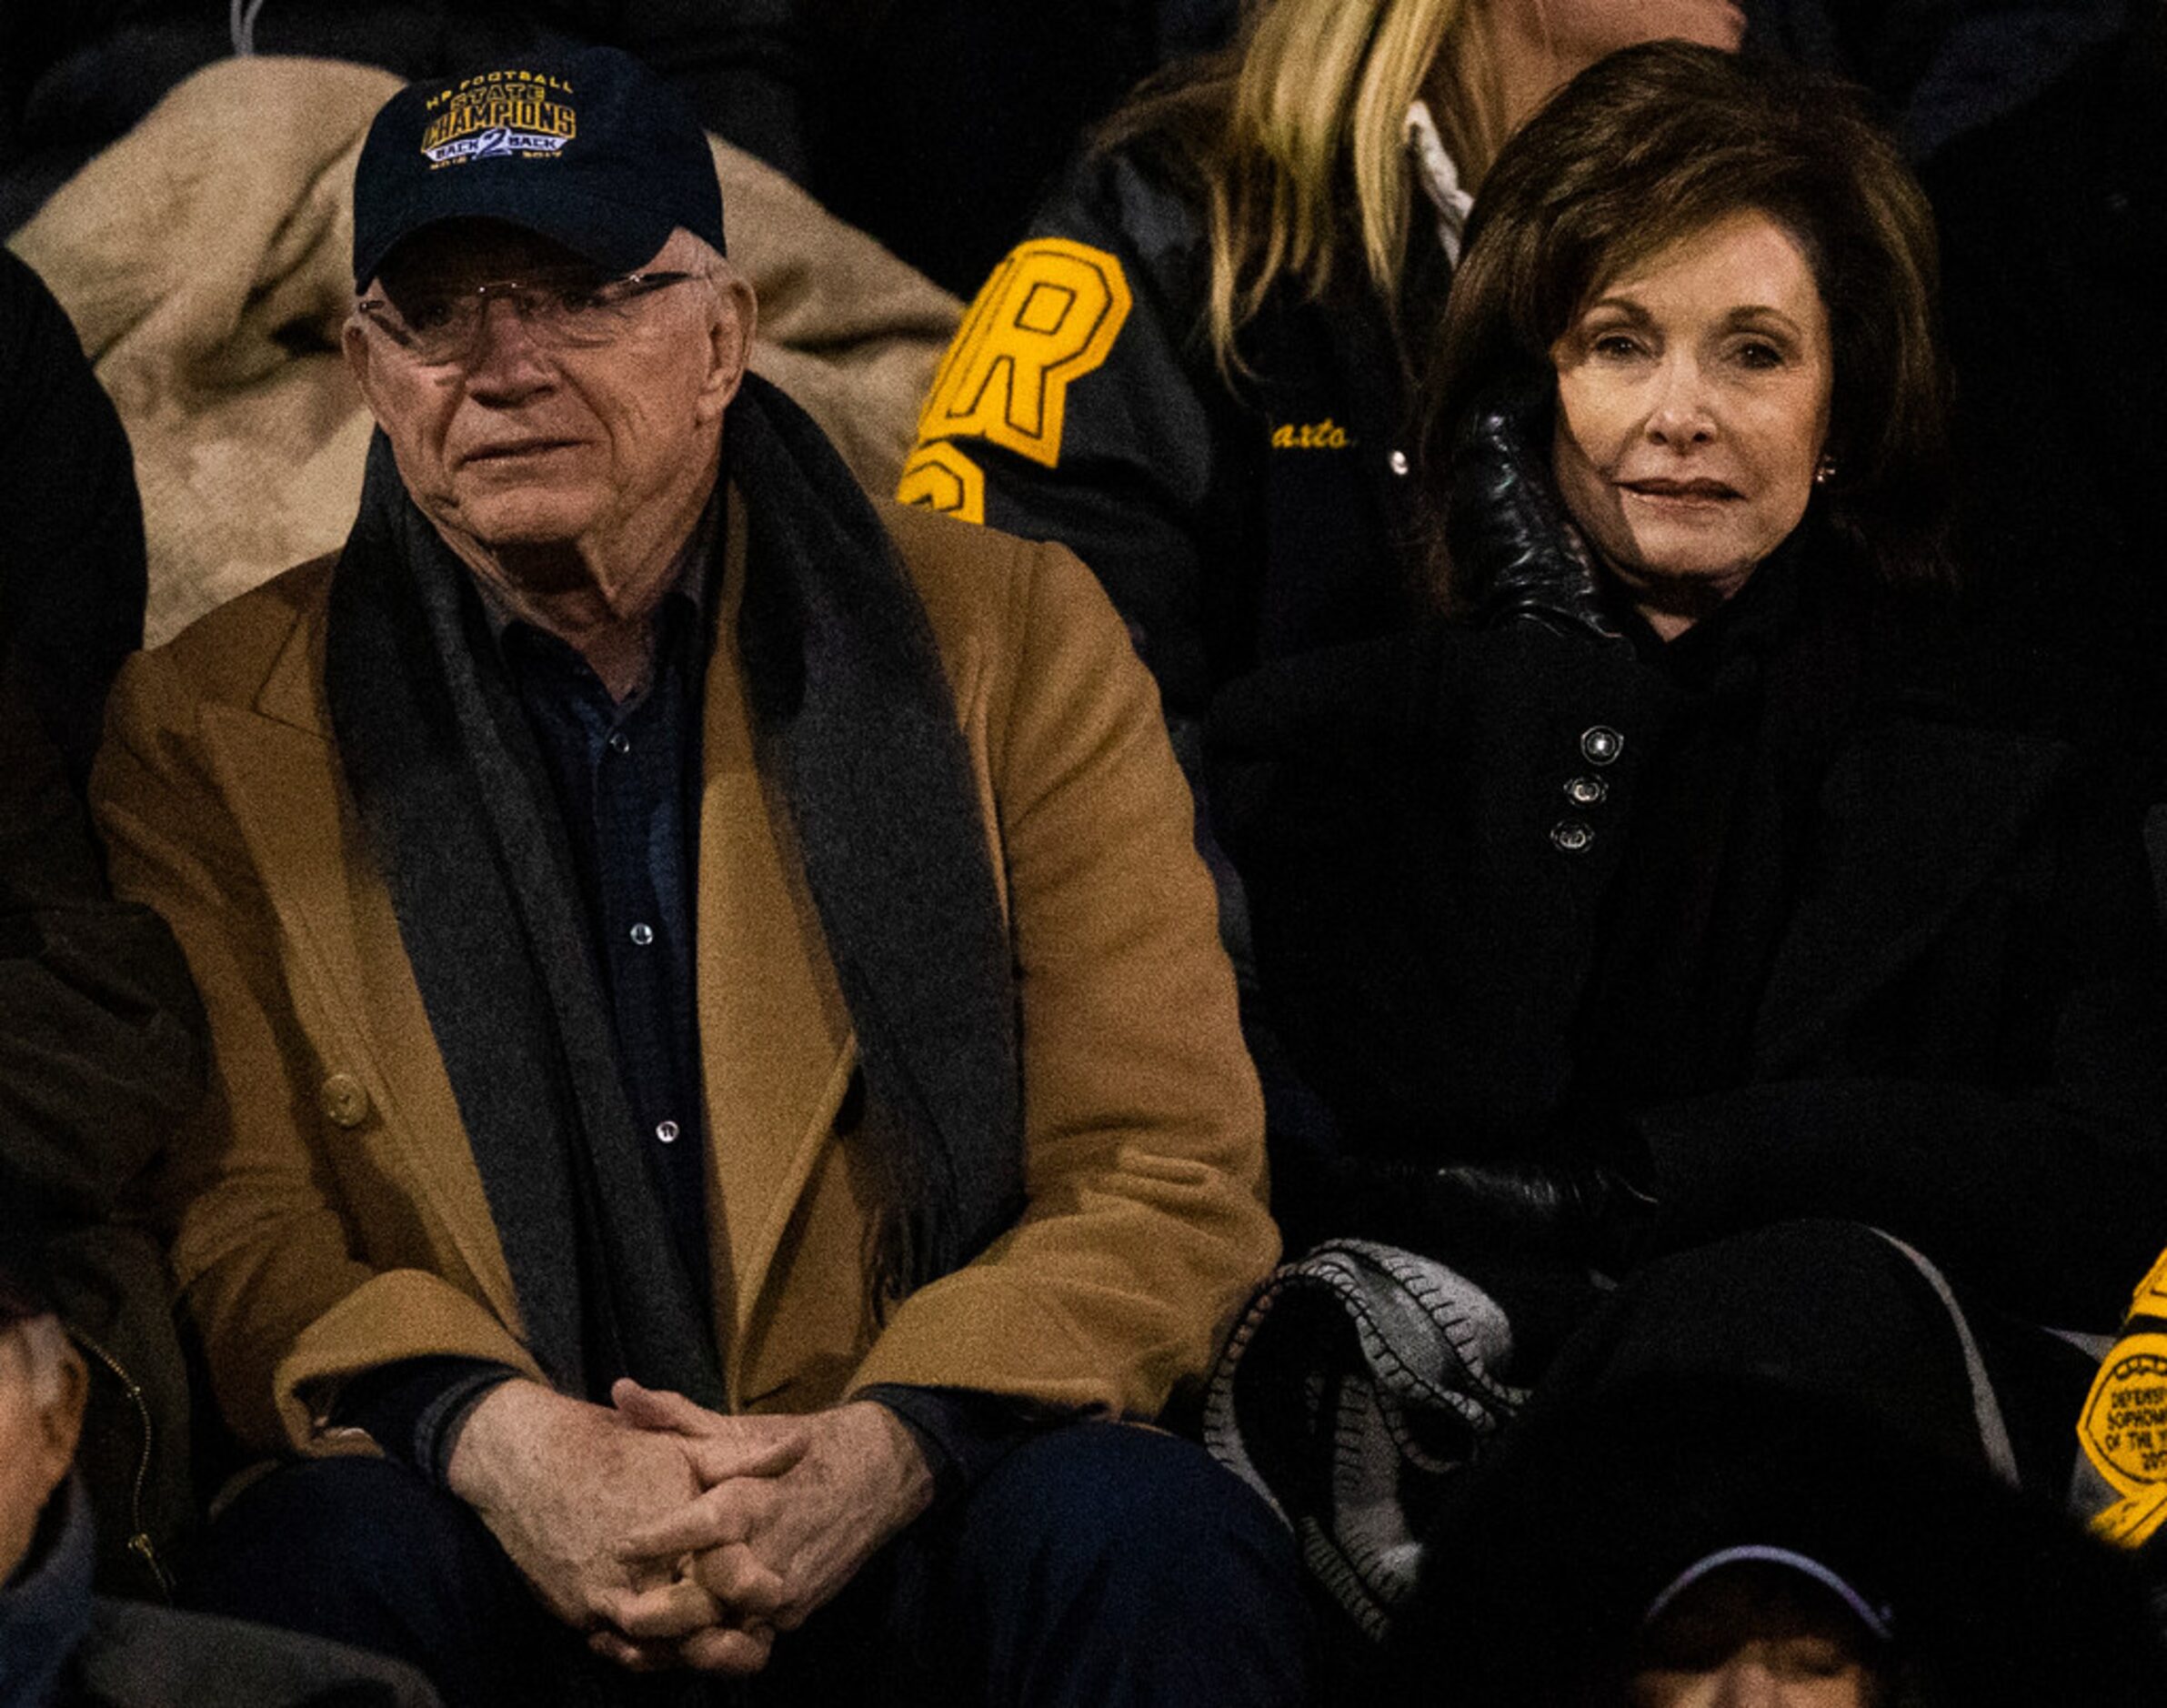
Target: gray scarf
[[855, 726]]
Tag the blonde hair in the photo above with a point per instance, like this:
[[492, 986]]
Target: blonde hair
[[1294, 137]]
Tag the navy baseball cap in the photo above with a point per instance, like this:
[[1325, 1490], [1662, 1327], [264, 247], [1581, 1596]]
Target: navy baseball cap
[[585, 146]]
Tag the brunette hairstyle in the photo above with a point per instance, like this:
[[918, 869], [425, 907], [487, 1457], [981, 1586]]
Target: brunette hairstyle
[[1659, 142], [1293, 138]]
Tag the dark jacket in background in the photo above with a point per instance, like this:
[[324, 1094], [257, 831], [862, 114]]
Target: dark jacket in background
[[1232, 521], [100, 1034], [1928, 987], [100, 1056], [2053, 224], [937, 125], [1940, 67], [72, 574]]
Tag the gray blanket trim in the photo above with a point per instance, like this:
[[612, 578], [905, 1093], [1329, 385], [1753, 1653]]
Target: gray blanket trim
[[1381, 1342], [1993, 1429]]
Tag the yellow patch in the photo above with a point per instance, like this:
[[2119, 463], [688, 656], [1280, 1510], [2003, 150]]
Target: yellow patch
[[499, 113], [2124, 1425], [2151, 1297], [1047, 317], [1312, 435], [943, 478], [2130, 1524]]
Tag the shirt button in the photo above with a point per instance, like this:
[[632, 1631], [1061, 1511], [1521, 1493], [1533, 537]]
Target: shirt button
[[1585, 791], [343, 1102], [1397, 461], [643, 934], [1570, 836], [666, 1131], [1600, 744], [619, 742]]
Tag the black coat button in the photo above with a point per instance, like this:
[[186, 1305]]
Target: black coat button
[[1570, 836], [1600, 744]]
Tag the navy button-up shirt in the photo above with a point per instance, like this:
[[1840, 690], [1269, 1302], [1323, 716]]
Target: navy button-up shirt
[[627, 781], [627, 777]]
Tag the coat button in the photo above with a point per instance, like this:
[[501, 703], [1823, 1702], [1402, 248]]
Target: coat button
[[1397, 462], [1585, 791], [1600, 744], [345, 1104], [1570, 836]]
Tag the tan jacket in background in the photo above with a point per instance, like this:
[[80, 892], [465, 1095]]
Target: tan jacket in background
[[326, 1212]]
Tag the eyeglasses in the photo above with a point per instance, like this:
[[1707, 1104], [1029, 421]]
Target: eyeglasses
[[561, 308]]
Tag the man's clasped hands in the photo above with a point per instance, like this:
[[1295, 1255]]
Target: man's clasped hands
[[674, 1535]]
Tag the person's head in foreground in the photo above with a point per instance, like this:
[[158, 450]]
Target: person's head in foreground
[[1763, 1627], [1667, 1536], [1698, 297]]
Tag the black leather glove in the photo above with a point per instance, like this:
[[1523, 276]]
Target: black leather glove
[[1515, 555], [1569, 1210]]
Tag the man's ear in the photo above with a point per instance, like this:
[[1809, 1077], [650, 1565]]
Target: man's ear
[[354, 345], [60, 1391], [730, 340]]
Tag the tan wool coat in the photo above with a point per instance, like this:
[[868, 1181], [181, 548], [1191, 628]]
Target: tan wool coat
[[325, 1211]]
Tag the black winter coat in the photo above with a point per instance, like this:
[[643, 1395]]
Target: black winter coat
[[1955, 1029]]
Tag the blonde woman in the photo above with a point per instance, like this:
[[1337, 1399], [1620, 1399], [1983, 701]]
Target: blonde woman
[[1195, 370]]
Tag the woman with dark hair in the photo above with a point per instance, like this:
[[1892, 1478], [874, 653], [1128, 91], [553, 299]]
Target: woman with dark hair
[[1678, 881], [1659, 148], [1678, 846]]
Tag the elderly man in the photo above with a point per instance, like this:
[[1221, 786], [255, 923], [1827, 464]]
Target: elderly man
[[722, 1073]]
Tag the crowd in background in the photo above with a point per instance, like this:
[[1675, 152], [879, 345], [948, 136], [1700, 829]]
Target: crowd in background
[[934, 125]]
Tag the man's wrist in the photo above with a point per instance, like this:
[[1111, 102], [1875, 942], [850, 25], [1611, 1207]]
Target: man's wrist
[[489, 1438], [961, 1431], [413, 1408], [436, 1435], [908, 1469]]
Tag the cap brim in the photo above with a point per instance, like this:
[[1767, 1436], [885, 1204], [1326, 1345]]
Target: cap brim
[[607, 232], [1874, 1619]]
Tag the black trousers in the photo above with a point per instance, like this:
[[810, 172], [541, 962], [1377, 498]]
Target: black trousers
[[1096, 1565]]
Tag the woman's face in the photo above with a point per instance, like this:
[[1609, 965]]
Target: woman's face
[[1692, 408], [1580, 32], [1534, 47]]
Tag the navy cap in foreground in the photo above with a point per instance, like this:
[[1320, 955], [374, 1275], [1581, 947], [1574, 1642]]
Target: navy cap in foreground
[[587, 147]]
